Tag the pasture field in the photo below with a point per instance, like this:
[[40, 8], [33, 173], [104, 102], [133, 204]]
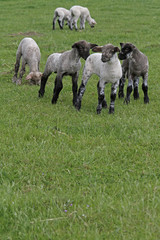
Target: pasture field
[[78, 175]]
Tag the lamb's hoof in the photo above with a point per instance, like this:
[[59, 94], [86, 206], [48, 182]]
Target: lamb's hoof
[[14, 79], [19, 82], [99, 110], [111, 110], [77, 106], [40, 94], [126, 101], [136, 96], [104, 104], [120, 94], [54, 101], [146, 100]]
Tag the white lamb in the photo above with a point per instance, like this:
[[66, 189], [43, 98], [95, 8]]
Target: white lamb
[[107, 66], [30, 53], [84, 14], [62, 14]]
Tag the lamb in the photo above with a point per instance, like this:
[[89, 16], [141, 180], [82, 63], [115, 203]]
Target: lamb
[[30, 53], [62, 14], [138, 66], [66, 63], [84, 14], [107, 66]]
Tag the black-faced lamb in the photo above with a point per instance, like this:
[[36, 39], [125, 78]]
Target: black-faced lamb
[[66, 63], [30, 53], [63, 15], [107, 66], [138, 66], [84, 15]]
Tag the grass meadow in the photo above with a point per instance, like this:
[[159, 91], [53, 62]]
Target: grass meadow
[[78, 175]]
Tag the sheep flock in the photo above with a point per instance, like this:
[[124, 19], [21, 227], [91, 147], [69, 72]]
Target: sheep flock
[[104, 62]]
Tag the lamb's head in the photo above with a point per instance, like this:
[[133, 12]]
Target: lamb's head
[[83, 48], [92, 23], [108, 52], [34, 77], [126, 50]]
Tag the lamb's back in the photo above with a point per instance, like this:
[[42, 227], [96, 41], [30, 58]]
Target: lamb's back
[[29, 49]]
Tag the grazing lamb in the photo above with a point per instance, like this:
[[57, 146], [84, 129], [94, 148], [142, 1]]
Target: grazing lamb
[[107, 66], [66, 63], [30, 53], [137, 67], [84, 14], [62, 14]]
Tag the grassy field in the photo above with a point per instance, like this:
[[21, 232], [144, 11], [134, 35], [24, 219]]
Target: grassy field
[[77, 175]]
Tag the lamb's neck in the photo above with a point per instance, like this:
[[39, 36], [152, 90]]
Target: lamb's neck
[[75, 55], [89, 19], [114, 59], [33, 64]]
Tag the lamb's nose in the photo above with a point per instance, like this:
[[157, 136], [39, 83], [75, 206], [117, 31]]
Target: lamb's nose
[[103, 59]]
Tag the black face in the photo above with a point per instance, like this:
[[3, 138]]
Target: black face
[[84, 51], [125, 50], [83, 48]]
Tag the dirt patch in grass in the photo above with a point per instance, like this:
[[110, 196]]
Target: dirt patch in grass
[[26, 34]]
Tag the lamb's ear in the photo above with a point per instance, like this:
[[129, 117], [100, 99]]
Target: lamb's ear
[[116, 49], [92, 45], [97, 49], [29, 76], [121, 44], [132, 46], [75, 45]]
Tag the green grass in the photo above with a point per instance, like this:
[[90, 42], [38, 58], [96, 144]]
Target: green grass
[[77, 175]]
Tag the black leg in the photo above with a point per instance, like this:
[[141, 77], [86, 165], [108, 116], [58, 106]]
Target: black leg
[[58, 87], [101, 98], [104, 102], [16, 68], [145, 90], [136, 84], [81, 91], [121, 87], [43, 84], [129, 90], [60, 24], [136, 93], [113, 96], [74, 87]]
